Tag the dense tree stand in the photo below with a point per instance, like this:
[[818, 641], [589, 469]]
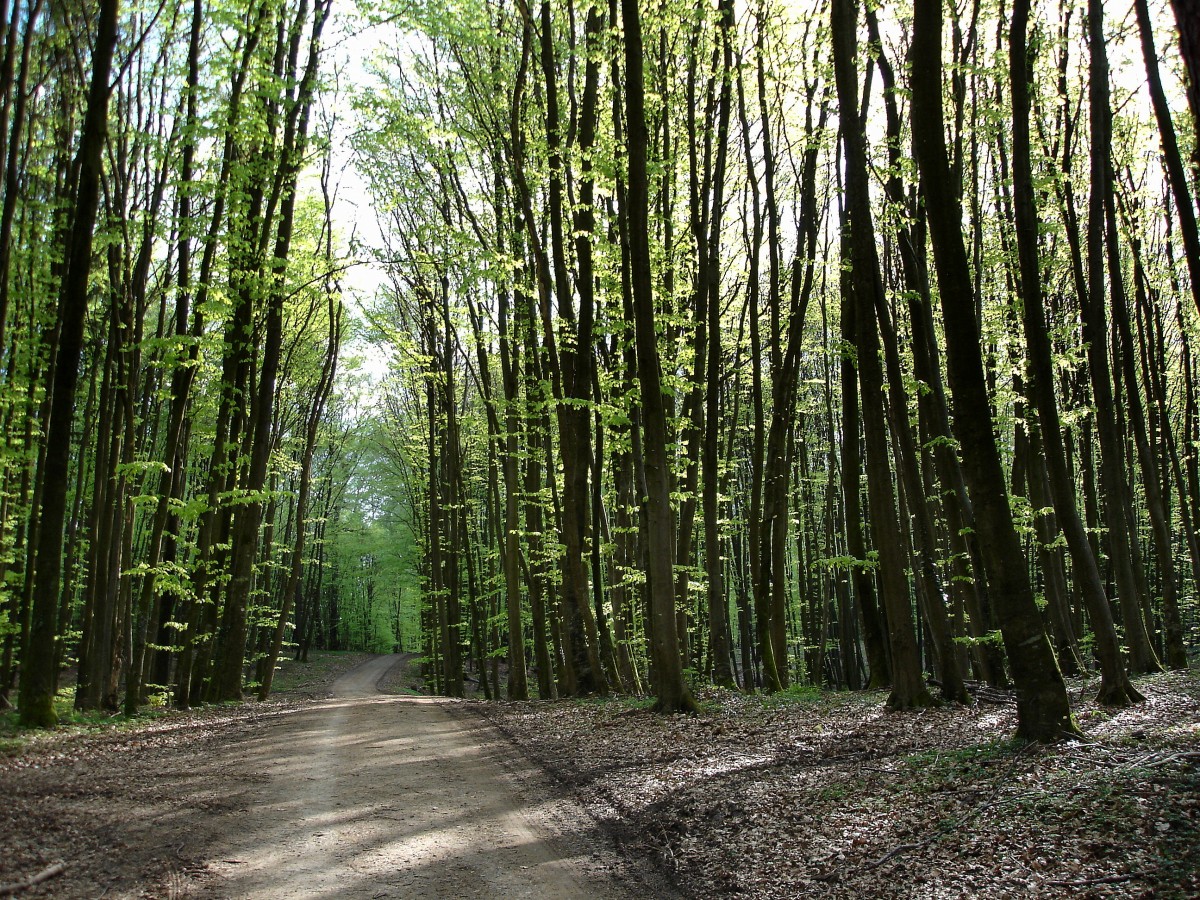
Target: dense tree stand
[[599, 350]]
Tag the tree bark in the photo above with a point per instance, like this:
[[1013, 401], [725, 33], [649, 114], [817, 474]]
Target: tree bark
[[39, 677], [673, 694], [1122, 539], [1115, 687], [1043, 711], [866, 285]]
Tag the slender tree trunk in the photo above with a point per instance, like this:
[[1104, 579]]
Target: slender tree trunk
[[534, 511], [874, 628], [968, 581], [671, 689], [770, 678], [1187, 18], [1172, 159], [1043, 710], [231, 639], [291, 588], [718, 601], [518, 682], [1122, 540], [866, 285], [39, 678], [1156, 504], [1115, 687], [12, 168]]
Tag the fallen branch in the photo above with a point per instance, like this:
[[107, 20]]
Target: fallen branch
[[1156, 758], [985, 693], [1161, 759], [895, 851], [46, 874], [1105, 879]]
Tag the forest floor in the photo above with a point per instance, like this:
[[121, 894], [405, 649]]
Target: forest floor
[[818, 794], [333, 790]]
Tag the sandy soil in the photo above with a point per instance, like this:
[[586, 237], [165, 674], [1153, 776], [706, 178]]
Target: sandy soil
[[361, 796]]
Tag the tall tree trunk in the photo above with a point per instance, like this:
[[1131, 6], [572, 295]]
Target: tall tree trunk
[[968, 580], [1162, 436], [672, 691], [1172, 158], [1187, 18], [879, 668], [518, 680], [39, 677], [1043, 710], [571, 366], [1118, 512], [534, 511], [718, 601], [1115, 687], [15, 146], [866, 285], [291, 588], [231, 640], [770, 677]]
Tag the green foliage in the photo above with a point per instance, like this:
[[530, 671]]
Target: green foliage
[[374, 551], [452, 143], [993, 637]]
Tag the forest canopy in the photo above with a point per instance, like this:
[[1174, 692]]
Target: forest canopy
[[599, 347]]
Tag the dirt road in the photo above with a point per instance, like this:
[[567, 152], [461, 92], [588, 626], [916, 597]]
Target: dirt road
[[368, 795]]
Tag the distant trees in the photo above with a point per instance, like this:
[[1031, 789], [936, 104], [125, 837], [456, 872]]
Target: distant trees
[[781, 278]]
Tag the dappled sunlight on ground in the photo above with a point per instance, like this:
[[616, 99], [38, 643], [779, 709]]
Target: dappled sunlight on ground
[[829, 794], [360, 796], [370, 796]]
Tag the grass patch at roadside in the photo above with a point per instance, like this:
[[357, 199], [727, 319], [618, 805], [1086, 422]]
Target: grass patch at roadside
[[15, 739]]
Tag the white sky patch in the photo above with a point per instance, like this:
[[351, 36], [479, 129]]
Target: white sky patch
[[356, 224]]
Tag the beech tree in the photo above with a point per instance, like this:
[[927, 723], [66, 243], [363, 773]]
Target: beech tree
[[40, 677], [1042, 699]]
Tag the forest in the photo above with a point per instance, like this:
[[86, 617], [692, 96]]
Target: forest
[[599, 348]]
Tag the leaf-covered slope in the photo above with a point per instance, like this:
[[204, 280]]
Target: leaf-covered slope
[[829, 795]]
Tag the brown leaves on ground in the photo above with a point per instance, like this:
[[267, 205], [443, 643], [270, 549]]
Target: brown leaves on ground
[[830, 795], [790, 796], [113, 804]]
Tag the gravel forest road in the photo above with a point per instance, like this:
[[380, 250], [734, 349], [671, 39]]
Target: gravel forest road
[[369, 795]]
